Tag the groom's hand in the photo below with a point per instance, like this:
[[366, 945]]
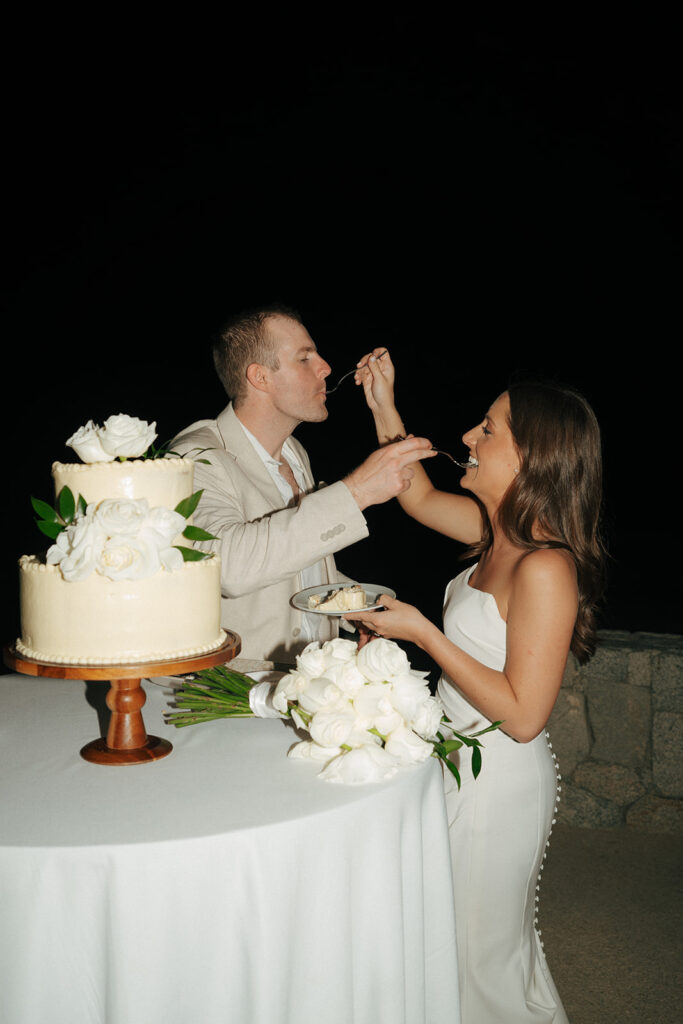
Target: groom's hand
[[387, 472]]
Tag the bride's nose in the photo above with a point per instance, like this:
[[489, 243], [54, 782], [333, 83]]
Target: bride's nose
[[469, 439]]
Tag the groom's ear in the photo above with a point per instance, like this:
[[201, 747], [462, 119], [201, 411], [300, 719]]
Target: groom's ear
[[257, 376]]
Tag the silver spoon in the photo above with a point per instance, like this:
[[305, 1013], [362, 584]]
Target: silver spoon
[[349, 374]]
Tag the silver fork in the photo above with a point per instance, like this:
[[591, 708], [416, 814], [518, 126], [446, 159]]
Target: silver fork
[[349, 374], [439, 451]]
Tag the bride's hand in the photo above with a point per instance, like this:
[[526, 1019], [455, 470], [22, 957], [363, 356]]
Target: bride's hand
[[398, 621], [376, 375]]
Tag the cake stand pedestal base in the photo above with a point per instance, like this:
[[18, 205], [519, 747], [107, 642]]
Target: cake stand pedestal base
[[127, 741]]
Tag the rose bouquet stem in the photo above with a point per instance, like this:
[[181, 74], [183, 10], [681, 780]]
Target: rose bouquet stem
[[214, 693]]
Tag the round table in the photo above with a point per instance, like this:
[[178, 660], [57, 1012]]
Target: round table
[[226, 883]]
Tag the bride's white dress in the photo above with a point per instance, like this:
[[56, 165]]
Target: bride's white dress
[[499, 827]]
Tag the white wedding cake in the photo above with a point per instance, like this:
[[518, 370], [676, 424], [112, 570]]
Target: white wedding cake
[[121, 584]]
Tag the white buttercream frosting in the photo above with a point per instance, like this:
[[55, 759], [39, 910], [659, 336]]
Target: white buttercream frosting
[[100, 621]]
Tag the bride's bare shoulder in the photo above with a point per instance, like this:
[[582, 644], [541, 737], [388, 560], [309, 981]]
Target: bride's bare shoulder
[[551, 570]]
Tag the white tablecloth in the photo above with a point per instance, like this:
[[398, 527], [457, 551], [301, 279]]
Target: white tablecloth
[[223, 883]]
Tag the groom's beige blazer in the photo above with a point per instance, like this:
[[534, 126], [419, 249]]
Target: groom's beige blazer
[[263, 547]]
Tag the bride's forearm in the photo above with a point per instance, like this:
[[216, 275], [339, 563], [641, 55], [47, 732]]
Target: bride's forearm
[[388, 424], [487, 689]]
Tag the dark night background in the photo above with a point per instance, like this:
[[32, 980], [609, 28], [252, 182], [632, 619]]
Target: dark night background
[[482, 199]]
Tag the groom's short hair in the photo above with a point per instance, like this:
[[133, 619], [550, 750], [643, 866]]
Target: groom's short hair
[[245, 339]]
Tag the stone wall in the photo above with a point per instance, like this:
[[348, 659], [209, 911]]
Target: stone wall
[[617, 730]]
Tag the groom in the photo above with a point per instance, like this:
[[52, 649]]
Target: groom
[[278, 532]]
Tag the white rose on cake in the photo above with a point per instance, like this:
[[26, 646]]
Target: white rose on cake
[[87, 445], [121, 437], [128, 557], [122, 540], [77, 549], [116, 516], [165, 524], [126, 436]]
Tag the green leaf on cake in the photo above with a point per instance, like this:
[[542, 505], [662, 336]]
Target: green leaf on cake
[[66, 504], [196, 533], [53, 520], [187, 506], [164, 450], [191, 554], [51, 530], [44, 510]]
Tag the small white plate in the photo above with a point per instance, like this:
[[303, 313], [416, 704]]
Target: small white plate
[[372, 592]]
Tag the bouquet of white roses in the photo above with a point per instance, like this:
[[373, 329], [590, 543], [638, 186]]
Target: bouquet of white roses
[[367, 712]]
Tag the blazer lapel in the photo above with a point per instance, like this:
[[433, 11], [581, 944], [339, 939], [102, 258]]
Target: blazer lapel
[[238, 445]]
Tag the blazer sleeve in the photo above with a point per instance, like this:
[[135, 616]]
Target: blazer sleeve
[[258, 544]]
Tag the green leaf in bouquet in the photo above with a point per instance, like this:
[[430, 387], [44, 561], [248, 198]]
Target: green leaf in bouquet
[[187, 506], [450, 745], [196, 533], [453, 770], [44, 510], [489, 728], [476, 761], [191, 554], [66, 504]]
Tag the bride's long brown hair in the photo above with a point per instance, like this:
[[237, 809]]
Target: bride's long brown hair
[[557, 492]]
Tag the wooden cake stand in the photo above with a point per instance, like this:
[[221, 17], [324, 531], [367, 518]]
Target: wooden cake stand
[[127, 741]]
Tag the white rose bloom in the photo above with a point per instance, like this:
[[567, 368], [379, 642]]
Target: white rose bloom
[[373, 700], [77, 549], [382, 659], [408, 691], [126, 436], [57, 551], [427, 719], [171, 559], [126, 557], [80, 564], [407, 747], [322, 694], [312, 661], [288, 688], [87, 445], [332, 728], [347, 676], [166, 523], [340, 649], [116, 516], [297, 719], [308, 750], [363, 764]]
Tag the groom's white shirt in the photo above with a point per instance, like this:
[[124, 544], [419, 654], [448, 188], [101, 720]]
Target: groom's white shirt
[[312, 575], [265, 547]]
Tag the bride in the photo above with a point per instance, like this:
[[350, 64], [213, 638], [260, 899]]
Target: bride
[[531, 520]]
